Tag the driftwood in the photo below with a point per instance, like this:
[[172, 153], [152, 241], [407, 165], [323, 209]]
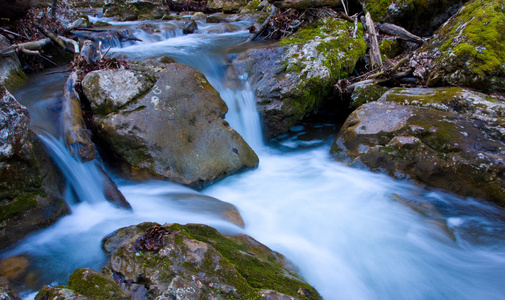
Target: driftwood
[[396, 76], [52, 36], [77, 137], [263, 26], [398, 31], [375, 53], [28, 48]]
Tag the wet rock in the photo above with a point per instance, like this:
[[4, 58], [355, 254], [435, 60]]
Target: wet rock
[[195, 261], [190, 27], [292, 80], [468, 50], [420, 17], [11, 74], [30, 184], [12, 268], [57, 293], [439, 148], [226, 6], [173, 129], [305, 4]]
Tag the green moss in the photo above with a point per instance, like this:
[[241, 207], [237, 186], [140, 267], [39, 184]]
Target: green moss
[[391, 47], [20, 204], [95, 285], [474, 41], [260, 274], [366, 93], [377, 8], [251, 6]]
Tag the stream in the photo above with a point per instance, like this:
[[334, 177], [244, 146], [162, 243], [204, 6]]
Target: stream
[[351, 233]]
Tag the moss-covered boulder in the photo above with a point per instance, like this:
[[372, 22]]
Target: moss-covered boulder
[[469, 49], [130, 10], [166, 120], [292, 79], [421, 17], [486, 112], [439, 148], [30, 184], [198, 262], [11, 74], [226, 6]]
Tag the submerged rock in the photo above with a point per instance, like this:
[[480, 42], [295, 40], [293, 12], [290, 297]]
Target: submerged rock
[[468, 50], [30, 184], [165, 120], [439, 148], [421, 17], [292, 80]]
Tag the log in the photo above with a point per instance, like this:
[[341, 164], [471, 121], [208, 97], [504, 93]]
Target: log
[[395, 30], [74, 25], [52, 36], [396, 76], [264, 26], [77, 137], [71, 42], [375, 53]]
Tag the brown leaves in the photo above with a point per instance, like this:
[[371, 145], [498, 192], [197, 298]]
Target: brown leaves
[[152, 239]]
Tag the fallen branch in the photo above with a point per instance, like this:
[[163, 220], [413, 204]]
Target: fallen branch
[[396, 76], [71, 42], [375, 53], [74, 25], [77, 137], [398, 31], [264, 26], [52, 36]]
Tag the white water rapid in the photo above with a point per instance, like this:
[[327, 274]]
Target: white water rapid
[[352, 233]]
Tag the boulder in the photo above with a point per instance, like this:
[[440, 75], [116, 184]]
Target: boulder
[[6, 292], [292, 79], [11, 74], [130, 10], [198, 262], [30, 184], [468, 50], [421, 17], [226, 6], [438, 148], [165, 120], [366, 92], [305, 4]]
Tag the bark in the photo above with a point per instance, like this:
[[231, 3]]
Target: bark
[[398, 31], [375, 53]]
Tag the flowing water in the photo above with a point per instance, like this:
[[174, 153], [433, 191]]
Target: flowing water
[[352, 234]]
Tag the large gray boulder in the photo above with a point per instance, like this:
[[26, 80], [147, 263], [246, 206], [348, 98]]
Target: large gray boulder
[[468, 50], [291, 80], [166, 120], [30, 185], [226, 6], [430, 143]]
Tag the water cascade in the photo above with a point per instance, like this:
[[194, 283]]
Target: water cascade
[[353, 234]]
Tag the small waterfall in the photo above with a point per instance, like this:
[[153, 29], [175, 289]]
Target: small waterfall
[[84, 179]]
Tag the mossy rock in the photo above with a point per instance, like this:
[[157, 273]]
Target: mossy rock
[[199, 262], [391, 47], [365, 93], [469, 49], [293, 79], [421, 17], [438, 148], [95, 285]]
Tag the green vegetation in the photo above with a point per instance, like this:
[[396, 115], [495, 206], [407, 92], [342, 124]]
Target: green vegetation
[[95, 285], [20, 204]]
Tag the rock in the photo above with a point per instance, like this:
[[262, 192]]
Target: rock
[[197, 262], [438, 148], [30, 184], [168, 123], [12, 268], [391, 47], [226, 6], [421, 17], [251, 7], [486, 112], [190, 27], [57, 293], [6, 292], [95, 285], [468, 50], [292, 80], [130, 10], [11, 74], [304, 4], [364, 93]]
